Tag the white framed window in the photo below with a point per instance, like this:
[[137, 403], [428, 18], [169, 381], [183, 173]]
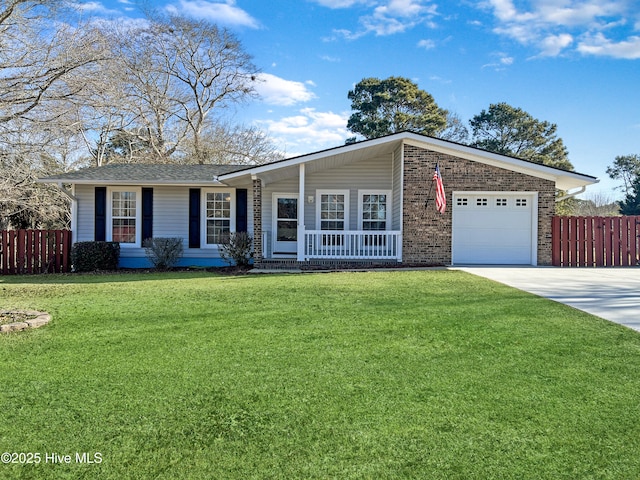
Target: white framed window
[[501, 202], [124, 216], [373, 209], [332, 209], [218, 216]]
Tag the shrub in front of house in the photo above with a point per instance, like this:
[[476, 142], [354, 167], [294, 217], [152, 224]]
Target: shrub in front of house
[[93, 256], [162, 252], [236, 249]]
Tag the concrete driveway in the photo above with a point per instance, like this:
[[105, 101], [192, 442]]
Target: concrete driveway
[[610, 293]]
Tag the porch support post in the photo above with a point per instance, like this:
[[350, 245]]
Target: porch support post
[[301, 213], [259, 249]]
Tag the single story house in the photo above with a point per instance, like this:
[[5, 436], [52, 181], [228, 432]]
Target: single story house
[[370, 201]]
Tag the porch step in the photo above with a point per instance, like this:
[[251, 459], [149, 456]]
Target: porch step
[[277, 264]]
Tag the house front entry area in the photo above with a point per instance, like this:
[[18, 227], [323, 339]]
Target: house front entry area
[[328, 235], [285, 225]]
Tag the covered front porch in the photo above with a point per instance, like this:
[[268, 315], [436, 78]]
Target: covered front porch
[[349, 219], [342, 205]]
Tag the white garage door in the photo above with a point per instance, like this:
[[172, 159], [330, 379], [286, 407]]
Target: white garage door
[[494, 228]]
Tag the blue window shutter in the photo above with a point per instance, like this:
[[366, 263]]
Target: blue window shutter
[[241, 210], [194, 218], [100, 229], [147, 213]]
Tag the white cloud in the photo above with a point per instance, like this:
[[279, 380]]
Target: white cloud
[[339, 3], [427, 44], [278, 91], [552, 45], [226, 13], [396, 16], [329, 58], [503, 61], [552, 26], [599, 45], [387, 17], [92, 7], [310, 130]]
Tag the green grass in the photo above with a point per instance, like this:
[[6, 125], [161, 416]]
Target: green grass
[[432, 374]]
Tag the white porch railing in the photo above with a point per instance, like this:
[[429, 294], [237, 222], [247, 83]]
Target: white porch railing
[[353, 245]]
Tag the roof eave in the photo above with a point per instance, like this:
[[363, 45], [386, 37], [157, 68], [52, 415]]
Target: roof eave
[[172, 183], [564, 180]]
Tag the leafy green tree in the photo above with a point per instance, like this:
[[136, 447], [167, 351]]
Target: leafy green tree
[[627, 169], [383, 107], [631, 203], [512, 131]]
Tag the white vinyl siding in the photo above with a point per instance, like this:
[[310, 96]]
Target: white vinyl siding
[[170, 218]]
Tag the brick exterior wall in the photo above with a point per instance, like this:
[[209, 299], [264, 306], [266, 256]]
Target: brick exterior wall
[[257, 220], [427, 234]]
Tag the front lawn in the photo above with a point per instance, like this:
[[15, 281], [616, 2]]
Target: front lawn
[[431, 374]]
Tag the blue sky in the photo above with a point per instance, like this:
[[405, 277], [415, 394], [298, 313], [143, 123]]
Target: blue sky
[[575, 63]]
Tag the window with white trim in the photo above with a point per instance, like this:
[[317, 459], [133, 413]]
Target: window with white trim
[[521, 202], [333, 210], [124, 211], [374, 207], [501, 202], [218, 216]]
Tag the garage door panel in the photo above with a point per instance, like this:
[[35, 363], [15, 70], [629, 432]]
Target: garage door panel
[[490, 256], [488, 237], [491, 228]]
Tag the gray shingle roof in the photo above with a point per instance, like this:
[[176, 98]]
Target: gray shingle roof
[[145, 173]]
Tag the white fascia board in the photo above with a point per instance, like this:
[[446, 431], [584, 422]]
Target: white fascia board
[[501, 161], [561, 177]]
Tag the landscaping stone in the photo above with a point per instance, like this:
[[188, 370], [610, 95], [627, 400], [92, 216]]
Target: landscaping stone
[[13, 327], [39, 321], [41, 318]]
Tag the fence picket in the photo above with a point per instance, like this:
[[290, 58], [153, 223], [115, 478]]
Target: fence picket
[[634, 239], [34, 251], [595, 241]]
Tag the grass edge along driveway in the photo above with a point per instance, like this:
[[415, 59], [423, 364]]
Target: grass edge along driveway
[[429, 374]]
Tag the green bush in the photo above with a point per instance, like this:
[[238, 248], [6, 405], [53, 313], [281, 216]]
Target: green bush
[[236, 248], [163, 253], [92, 256]]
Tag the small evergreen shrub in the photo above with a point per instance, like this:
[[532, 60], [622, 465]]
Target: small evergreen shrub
[[92, 256], [237, 249], [162, 252]]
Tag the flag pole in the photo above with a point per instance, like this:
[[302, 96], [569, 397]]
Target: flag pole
[[426, 203]]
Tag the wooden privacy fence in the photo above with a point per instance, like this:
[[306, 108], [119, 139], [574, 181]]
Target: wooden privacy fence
[[35, 251], [596, 241]]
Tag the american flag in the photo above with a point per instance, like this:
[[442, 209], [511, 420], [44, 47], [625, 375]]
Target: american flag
[[441, 199]]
